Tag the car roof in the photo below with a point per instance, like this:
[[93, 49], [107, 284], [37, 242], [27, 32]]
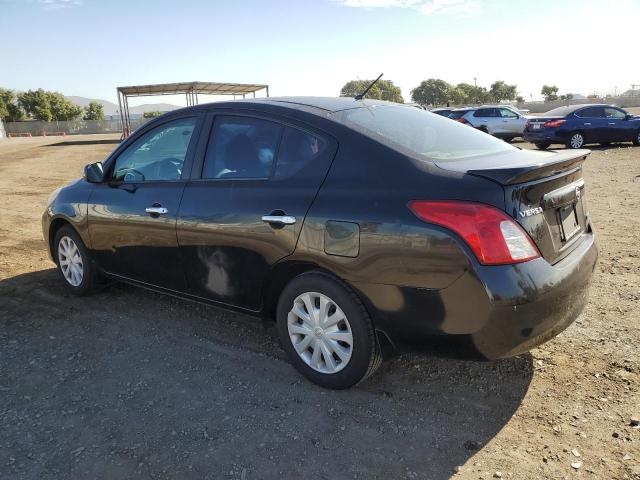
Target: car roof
[[567, 109], [328, 104]]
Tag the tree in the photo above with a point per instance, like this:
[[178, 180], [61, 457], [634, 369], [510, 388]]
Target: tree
[[151, 114], [36, 104], [431, 92], [568, 96], [62, 109], [94, 112], [519, 99], [473, 94], [9, 110], [47, 106], [549, 92], [501, 91], [382, 90]]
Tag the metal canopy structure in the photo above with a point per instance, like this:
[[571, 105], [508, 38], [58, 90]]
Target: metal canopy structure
[[191, 90]]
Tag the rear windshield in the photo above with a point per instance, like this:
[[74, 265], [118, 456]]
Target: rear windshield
[[562, 111], [421, 134], [456, 114]]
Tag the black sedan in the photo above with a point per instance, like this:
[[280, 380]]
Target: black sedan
[[577, 125], [348, 222]]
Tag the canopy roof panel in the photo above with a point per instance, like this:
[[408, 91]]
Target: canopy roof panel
[[207, 88]]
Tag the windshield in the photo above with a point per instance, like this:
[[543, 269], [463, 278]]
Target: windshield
[[421, 134]]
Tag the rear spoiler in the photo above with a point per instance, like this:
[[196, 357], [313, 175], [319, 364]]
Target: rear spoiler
[[558, 163]]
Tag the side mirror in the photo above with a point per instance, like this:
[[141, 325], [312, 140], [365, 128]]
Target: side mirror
[[628, 116], [94, 172]]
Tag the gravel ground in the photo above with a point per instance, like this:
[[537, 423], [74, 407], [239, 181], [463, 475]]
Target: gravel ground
[[128, 383]]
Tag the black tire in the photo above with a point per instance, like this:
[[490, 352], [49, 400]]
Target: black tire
[[484, 129], [575, 145], [366, 356], [91, 278], [542, 146], [636, 140]]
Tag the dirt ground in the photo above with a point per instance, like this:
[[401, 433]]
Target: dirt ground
[[129, 384]]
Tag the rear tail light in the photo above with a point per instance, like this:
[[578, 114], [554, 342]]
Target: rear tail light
[[528, 124], [462, 120], [553, 123], [494, 237]]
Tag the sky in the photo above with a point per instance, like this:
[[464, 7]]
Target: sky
[[313, 47]]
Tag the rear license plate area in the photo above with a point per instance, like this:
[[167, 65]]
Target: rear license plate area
[[568, 221], [536, 126]]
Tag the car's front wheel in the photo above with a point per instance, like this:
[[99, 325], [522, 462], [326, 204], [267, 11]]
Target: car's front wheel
[[326, 331], [576, 140], [74, 265], [636, 140]]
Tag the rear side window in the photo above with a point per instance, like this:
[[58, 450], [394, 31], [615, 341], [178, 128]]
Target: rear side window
[[486, 112], [422, 135], [591, 112], [241, 147], [456, 114], [297, 150]]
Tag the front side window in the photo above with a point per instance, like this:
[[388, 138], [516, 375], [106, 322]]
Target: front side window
[[614, 113], [297, 150], [158, 154], [421, 134], [506, 113], [241, 147]]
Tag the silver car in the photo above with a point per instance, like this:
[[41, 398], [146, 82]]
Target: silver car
[[502, 121]]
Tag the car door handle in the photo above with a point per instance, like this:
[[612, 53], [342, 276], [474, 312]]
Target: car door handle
[[587, 124], [612, 123], [156, 210], [279, 219]]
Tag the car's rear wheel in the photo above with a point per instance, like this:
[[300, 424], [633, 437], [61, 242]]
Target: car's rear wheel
[[636, 141], [326, 331], [542, 146], [74, 265], [576, 140]]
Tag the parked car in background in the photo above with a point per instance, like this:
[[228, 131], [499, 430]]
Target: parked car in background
[[578, 125], [347, 222], [502, 121], [442, 111]]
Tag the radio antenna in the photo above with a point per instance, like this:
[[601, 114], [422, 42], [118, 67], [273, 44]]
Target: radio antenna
[[360, 96]]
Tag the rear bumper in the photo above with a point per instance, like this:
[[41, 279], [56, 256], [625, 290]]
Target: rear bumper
[[544, 136], [506, 310]]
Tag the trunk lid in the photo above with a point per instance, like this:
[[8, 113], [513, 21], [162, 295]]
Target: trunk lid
[[544, 193]]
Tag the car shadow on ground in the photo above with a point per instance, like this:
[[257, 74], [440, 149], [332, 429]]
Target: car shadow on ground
[[126, 383], [68, 143]]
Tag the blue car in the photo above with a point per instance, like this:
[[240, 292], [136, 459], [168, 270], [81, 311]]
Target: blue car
[[578, 125]]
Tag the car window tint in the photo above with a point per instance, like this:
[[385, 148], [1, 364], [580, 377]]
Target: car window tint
[[610, 112], [157, 155], [422, 135], [297, 150], [506, 113], [241, 147], [591, 112], [483, 113], [456, 114]]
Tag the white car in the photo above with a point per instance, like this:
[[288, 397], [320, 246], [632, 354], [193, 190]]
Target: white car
[[502, 121]]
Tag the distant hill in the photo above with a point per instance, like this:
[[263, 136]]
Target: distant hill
[[111, 108]]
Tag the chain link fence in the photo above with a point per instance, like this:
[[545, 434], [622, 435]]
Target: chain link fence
[[73, 127]]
